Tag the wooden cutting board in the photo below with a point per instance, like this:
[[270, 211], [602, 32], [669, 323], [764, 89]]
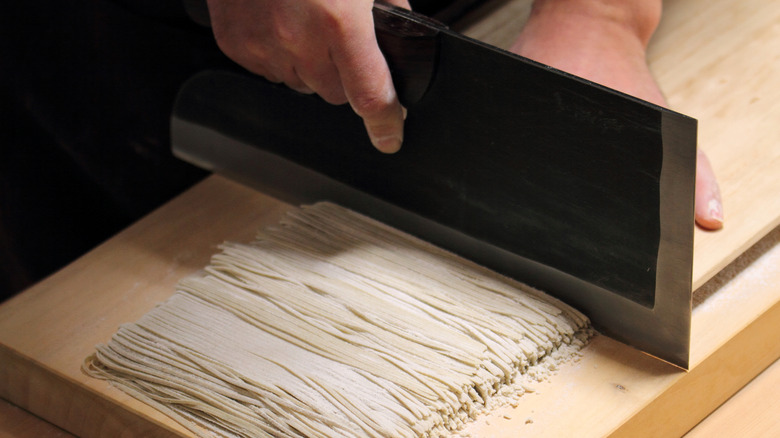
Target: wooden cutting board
[[717, 61]]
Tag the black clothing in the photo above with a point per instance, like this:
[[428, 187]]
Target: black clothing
[[86, 91]]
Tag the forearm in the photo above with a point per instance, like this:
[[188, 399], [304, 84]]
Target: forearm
[[637, 18]]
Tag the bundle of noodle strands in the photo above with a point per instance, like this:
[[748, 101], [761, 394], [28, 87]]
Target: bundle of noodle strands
[[331, 324]]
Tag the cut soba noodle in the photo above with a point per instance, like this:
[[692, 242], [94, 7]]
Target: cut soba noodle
[[334, 325]]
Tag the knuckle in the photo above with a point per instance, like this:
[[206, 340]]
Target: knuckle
[[285, 35], [333, 96], [258, 51], [246, 49], [368, 104], [335, 25]]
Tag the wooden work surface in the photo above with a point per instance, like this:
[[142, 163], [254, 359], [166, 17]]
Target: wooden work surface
[[717, 61]]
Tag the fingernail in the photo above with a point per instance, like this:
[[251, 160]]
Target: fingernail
[[388, 145], [715, 210]]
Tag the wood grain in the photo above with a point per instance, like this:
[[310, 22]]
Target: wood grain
[[47, 331], [718, 61], [752, 412], [17, 423]]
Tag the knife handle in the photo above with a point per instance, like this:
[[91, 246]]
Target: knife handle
[[409, 42], [407, 39]]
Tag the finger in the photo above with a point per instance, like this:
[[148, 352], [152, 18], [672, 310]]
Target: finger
[[368, 85], [294, 81], [276, 73], [252, 51], [304, 90], [256, 64], [323, 78], [708, 203]]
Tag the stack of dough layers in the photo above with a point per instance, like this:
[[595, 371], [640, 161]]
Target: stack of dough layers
[[334, 325]]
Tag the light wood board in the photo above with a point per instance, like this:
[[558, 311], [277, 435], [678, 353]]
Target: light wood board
[[17, 423], [717, 61], [752, 412]]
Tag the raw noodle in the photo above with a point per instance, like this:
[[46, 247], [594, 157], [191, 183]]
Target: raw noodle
[[334, 325]]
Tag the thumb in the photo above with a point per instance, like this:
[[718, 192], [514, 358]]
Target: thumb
[[368, 86]]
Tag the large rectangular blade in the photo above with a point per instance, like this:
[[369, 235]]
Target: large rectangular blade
[[576, 189]]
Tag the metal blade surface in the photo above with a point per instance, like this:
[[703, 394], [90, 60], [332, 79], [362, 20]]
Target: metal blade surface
[[578, 190]]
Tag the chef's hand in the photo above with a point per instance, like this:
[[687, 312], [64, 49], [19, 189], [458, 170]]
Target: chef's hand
[[326, 47]]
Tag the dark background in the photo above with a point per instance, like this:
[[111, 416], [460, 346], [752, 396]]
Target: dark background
[[86, 90]]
